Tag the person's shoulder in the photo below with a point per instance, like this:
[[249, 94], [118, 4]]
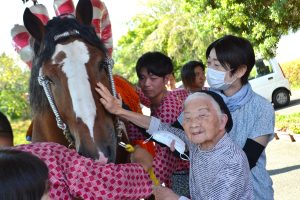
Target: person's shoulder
[[235, 153], [176, 97], [261, 103], [41, 146], [238, 159], [179, 92]]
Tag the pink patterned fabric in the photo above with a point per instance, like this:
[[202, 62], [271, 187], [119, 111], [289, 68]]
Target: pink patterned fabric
[[171, 106], [72, 175]]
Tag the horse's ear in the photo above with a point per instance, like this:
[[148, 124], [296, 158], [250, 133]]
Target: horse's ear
[[84, 12], [34, 25]]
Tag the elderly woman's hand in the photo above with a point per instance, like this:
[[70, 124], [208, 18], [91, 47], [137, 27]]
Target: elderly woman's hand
[[111, 104]]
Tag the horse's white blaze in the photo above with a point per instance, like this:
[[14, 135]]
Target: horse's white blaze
[[73, 65]]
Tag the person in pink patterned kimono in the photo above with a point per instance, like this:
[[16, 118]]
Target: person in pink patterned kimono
[[154, 70], [72, 176]]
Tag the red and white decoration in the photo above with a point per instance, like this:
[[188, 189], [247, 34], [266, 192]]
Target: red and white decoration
[[101, 22], [21, 39], [41, 12], [62, 7]]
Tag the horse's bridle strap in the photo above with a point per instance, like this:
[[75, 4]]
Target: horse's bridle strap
[[44, 82], [108, 63]]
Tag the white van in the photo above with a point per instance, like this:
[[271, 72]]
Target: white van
[[268, 80]]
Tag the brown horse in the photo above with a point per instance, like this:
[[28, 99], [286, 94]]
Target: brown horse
[[69, 60]]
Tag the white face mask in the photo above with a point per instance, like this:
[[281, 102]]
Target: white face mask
[[216, 79]]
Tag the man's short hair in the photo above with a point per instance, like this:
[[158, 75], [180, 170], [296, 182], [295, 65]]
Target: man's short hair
[[156, 63]]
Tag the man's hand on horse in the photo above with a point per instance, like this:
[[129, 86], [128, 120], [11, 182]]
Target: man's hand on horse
[[111, 103]]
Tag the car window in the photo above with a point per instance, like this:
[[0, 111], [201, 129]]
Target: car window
[[261, 68]]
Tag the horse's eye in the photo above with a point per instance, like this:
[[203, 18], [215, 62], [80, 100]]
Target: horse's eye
[[49, 80], [102, 65]]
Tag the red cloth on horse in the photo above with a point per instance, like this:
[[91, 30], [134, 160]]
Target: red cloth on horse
[[72, 175]]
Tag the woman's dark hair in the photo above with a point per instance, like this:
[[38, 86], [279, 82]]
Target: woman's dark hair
[[5, 127], [233, 52], [188, 74], [23, 176], [154, 62]]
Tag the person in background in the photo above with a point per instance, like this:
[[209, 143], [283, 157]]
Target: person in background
[[219, 168], [6, 132], [193, 76], [230, 60], [72, 176], [154, 70], [171, 85], [23, 176]]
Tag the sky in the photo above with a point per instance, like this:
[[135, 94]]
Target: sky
[[120, 12]]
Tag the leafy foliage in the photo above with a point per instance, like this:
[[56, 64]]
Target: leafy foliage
[[183, 29], [292, 71], [13, 88], [19, 130]]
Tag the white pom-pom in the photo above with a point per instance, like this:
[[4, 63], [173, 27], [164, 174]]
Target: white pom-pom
[[41, 12]]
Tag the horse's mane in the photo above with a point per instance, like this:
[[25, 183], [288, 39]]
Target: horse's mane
[[44, 50]]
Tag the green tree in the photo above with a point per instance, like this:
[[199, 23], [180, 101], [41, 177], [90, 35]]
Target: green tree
[[131, 46], [262, 22], [13, 88], [182, 29]]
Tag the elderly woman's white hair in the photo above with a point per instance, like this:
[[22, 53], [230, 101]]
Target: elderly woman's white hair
[[197, 95], [217, 102]]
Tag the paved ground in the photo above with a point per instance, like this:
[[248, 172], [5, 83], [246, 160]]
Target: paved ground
[[283, 159], [283, 164]]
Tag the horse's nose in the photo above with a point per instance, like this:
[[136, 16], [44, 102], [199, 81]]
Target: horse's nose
[[109, 153], [94, 154]]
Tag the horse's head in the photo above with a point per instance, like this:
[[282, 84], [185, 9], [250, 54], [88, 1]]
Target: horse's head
[[69, 55]]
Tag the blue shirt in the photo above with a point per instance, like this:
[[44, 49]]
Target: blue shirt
[[253, 119]]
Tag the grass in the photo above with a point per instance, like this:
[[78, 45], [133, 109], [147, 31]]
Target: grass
[[19, 129], [288, 122], [295, 87]]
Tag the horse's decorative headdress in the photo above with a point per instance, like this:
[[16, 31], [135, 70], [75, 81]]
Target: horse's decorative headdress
[[101, 22]]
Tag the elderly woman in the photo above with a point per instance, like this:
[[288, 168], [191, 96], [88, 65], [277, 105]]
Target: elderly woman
[[219, 168]]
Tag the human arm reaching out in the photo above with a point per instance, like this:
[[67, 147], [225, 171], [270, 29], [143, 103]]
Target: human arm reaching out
[[113, 105]]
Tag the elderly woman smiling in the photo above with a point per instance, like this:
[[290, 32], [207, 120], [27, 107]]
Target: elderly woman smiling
[[219, 168]]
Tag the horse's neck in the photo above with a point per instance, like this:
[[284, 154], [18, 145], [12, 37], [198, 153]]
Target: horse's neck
[[45, 129]]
